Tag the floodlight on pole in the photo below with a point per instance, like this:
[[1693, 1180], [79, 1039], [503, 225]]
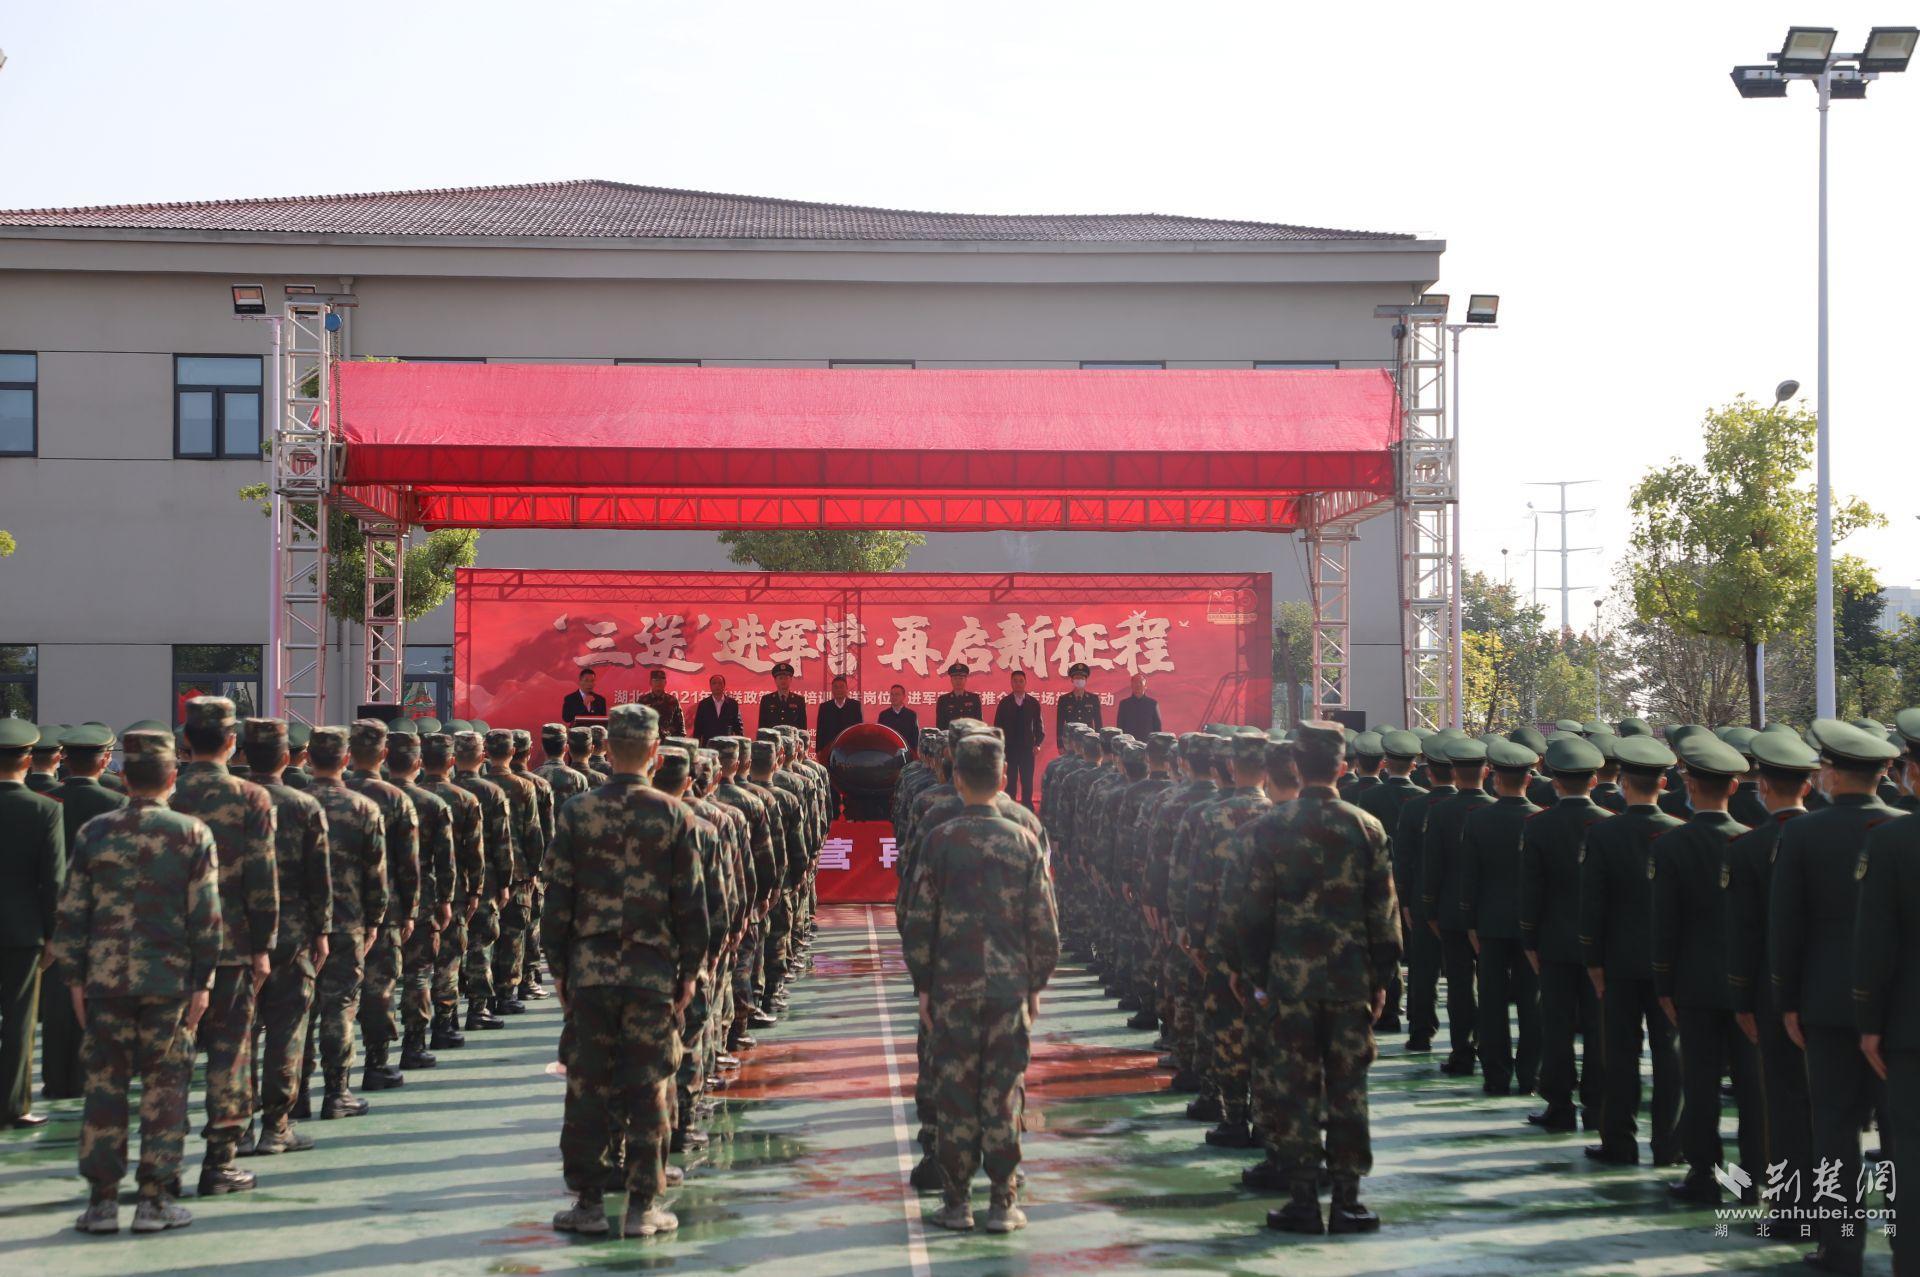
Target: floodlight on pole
[[1806, 50], [1889, 48], [1483, 308], [249, 300], [1760, 82]]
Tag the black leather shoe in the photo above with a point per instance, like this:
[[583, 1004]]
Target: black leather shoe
[[1696, 1190], [1128, 1003], [1419, 1046], [26, 1121], [1188, 1081], [1388, 1024], [1821, 1260], [1560, 1120], [1457, 1066], [1496, 1088], [1613, 1156]]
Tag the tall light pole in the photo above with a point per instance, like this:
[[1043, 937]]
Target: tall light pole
[[1482, 310], [1808, 54]]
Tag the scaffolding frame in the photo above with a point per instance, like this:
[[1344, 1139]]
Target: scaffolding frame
[[383, 622], [303, 464], [1429, 494]]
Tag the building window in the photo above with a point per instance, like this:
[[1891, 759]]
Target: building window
[[1282, 365], [427, 684], [231, 670], [443, 359], [20, 681], [662, 363], [1122, 364], [870, 363], [216, 407], [19, 404]]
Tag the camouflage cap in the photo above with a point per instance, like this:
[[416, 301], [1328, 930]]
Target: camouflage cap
[[727, 747], [210, 713], [553, 736], [1511, 755], [979, 752], [522, 740], [469, 746], [1400, 745], [1369, 745], [17, 733], [768, 734], [403, 749], [1250, 749], [762, 754], [1532, 739], [1319, 739], [1707, 754], [368, 733], [579, 740], [672, 765], [298, 734], [687, 743], [152, 746], [1643, 752], [1573, 755], [1784, 751], [598, 731], [933, 740], [328, 745], [436, 750], [264, 731], [1280, 754], [1160, 746], [88, 736], [499, 742], [633, 722], [1849, 744]]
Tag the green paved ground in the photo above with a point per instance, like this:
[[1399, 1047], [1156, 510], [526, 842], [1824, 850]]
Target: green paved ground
[[459, 1172]]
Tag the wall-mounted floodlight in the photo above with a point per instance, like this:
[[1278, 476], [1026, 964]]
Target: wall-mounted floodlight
[[1483, 308], [1889, 48], [1806, 50], [1436, 299], [301, 290], [1759, 82], [1846, 84], [249, 299]]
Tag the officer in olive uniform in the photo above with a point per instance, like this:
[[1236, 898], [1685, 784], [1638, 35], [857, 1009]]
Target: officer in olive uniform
[[958, 703], [1447, 916], [33, 865], [1816, 884], [1384, 803], [783, 707], [1077, 706], [43, 770], [1490, 871]]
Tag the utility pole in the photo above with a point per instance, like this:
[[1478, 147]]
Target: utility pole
[[1565, 587]]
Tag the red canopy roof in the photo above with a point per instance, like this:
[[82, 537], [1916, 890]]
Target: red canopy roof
[[573, 445]]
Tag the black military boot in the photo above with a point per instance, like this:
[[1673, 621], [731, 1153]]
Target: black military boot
[[247, 1138], [339, 1101], [1347, 1215], [446, 1033], [505, 1004], [1145, 1019], [1205, 1108], [1266, 1177], [1128, 1003], [1232, 1133], [413, 1050], [378, 1075], [927, 1177], [478, 1017], [1187, 1080], [218, 1174], [302, 1106], [1302, 1213]]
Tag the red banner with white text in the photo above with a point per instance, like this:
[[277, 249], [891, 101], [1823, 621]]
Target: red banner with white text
[[856, 864], [1202, 641]]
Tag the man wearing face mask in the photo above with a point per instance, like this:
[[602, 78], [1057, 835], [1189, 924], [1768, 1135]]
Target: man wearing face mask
[[1077, 706]]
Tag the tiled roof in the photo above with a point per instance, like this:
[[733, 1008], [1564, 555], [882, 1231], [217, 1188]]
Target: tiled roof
[[616, 210]]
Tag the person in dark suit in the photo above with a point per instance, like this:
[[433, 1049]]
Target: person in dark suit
[[718, 714], [583, 702], [33, 864], [1018, 717], [904, 722], [833, 717], [1139, 714]]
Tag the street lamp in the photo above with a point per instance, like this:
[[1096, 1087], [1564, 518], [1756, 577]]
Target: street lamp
[[1808, 53], [1482, 310]]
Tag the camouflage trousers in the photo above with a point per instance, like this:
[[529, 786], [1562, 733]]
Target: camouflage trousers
[[281, 1026], [482, 930], [226, 1035], [690, 1078], [336, 1002], [979, 1053], [446, 963], [416, 975], [510, 948], [1312, 1071], [125, 1038], [379, 1021], [1226, 1039], [746, 966], [773, 965], [621, 1048]]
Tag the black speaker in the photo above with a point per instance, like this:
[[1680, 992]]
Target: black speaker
[[384, 711], [1354, 718]]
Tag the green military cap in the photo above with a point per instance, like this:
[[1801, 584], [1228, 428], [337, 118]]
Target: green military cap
[[1434, 748], [522, 740], [480, 725], [49, 741], [469, 745], [403, 726], [1369, 745], [1707, 754], [263, 731], [1216, 729], [403, 748], [1384, 728], [1449, 733], [1632, 727], [1608, 744], [629, 722], [154, 746], [1568, 725], [1398, 744], [1250, 749], [429, 725], [1594, 727], [327, 745], [1421, 732], [1556, 735], [17, 733], [958, 667], [1681, 731], [1741, 738], [298, 735], [1531, 738], [553, 734], [782, 667], [1850, 744], [1784, 751], [1465, 749], [762, 753], [368, 733], [1643, 751], [1907, 724], [436, 749], [1079, 670], [1870, 725], [1487, 738], [210, 712], [1511, 755], [1320, 738], [1780, 729], [499, 742], [671, 764], [88, 736], [979, 751], [1573, 754], [454, 726]]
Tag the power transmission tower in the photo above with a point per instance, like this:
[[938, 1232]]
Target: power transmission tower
[[1565, 588]]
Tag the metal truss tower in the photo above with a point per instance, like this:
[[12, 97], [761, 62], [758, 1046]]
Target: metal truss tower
[[303, 462], [1429, 496]]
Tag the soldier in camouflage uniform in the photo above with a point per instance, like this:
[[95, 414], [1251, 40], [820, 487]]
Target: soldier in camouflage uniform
[[379, 1019], [138, 940], [766, 841], [241, 815], [1316, 935], [529, 988], [981, 938], [625, 932], [785, 793], [1128, 857], [1172, 964], [595, 760], [497, 840], [673, 776], [304, 869], [1194, 1042], [529, 844], [563, 779], [82, 796], [433, 822], [466, 821], [740, 888], [357, 851]]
